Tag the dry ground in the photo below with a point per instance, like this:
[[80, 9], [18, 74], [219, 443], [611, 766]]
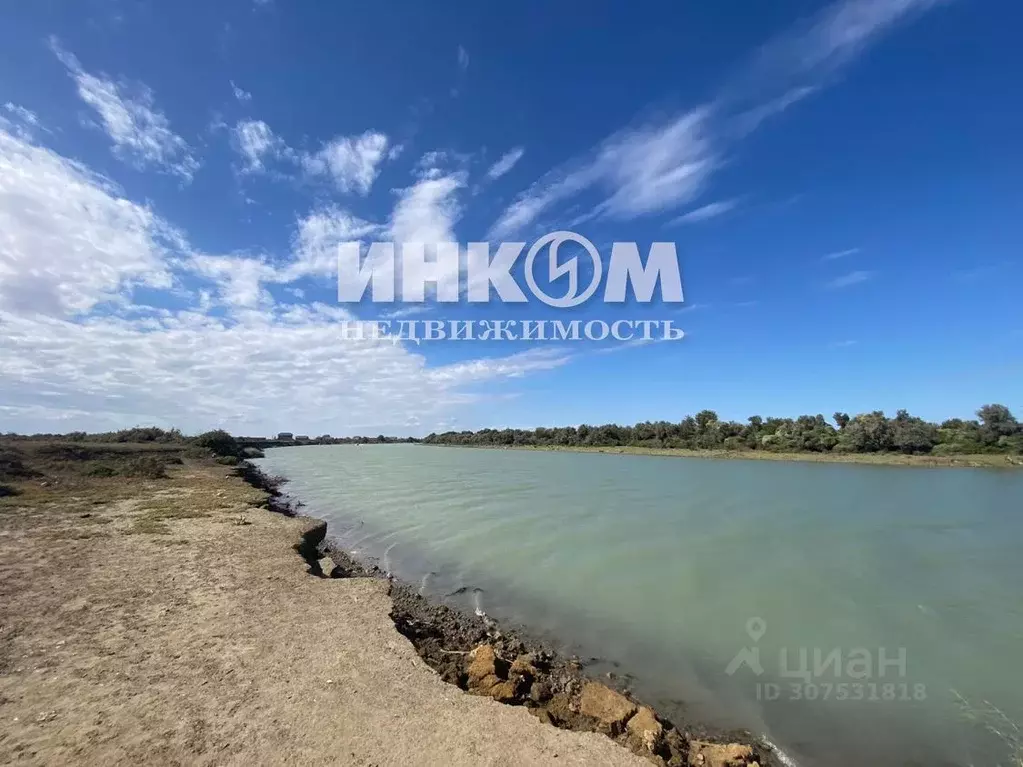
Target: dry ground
[[170, 621]]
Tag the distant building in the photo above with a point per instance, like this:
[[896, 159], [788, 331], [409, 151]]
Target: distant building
[[286, 436], [302, 438]]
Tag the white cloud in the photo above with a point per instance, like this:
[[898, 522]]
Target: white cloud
[[240, 94], [351, 161], [463, 58], [200, 357], [668, 162], [23, 123], [426, 212], [642, 170], [850, 279], [258, 374], [68, 239], [254, 141], [239, 279], [705, 212], [319, 234], [506, 163], [141, 134], [840, 254]]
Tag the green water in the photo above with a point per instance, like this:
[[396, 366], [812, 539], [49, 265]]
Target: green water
[[656, 566]]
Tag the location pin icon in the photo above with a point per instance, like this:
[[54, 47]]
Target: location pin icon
[[756, 628]]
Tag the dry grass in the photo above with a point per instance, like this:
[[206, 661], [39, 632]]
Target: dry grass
[[875, 459]]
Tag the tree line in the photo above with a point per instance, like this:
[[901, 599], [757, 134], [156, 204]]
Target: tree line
[[995, 430]]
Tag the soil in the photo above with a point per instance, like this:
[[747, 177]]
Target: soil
[[448, 638], [171, 622], [153, 612]]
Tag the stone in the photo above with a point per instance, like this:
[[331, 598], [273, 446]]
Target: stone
[[611, 709], [503, 692], [326, 566], [523, 666], [482, 665], [559, 708], [543, 715], [540, 691], [645, 730], [704, 754]]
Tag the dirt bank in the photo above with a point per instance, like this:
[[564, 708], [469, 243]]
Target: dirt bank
[[170, 621], [479, 656]]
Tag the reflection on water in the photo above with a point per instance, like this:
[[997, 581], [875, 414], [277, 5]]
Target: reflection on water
[[889, 587]]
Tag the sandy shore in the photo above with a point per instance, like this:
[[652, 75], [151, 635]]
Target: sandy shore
[[171, 621]]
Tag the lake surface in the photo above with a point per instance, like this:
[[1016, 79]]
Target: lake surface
[[668, 569]]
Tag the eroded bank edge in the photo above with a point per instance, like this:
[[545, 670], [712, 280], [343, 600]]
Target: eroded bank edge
[[475, 654]]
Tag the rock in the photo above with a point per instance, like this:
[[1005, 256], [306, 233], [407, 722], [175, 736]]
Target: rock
[[703, 754], [543, 715], [503, 692], [327, 566], [523, 666], [540, 691], [483, 665], [645, 730], [611, 709], [560, 709]]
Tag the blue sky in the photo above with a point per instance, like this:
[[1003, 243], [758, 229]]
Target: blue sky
[[840, 179]]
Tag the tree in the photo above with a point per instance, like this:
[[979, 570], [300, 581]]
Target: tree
[[867, 433], [704, 419], [913, 435], [842, 419], [218, 442], [996, 422]]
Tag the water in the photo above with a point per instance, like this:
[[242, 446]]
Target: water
[[657, 566]]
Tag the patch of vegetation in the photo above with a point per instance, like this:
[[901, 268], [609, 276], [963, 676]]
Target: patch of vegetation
[[218, 442], [100, 470], [12, 466], [227, 460], [996, 431], [144, 526], [144, 467], [8, 490]]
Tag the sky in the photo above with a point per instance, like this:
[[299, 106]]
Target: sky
[[840, 180]]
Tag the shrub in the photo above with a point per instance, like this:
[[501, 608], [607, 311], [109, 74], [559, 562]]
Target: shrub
[[100, 470], [144, 467], [219, 442]]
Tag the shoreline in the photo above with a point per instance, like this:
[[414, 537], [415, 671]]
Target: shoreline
[[482, 657], [157, 613], [980, 461]]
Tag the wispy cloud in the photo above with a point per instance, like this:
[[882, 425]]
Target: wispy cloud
[[850, 279], [22, 121], [705, 212], [642, 169], [506, 163], [660, 164], [140, 133], [255, 142], [406, 311], [351, 161], [240, 94], [840, 254], [842, 344], [463, 58]]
